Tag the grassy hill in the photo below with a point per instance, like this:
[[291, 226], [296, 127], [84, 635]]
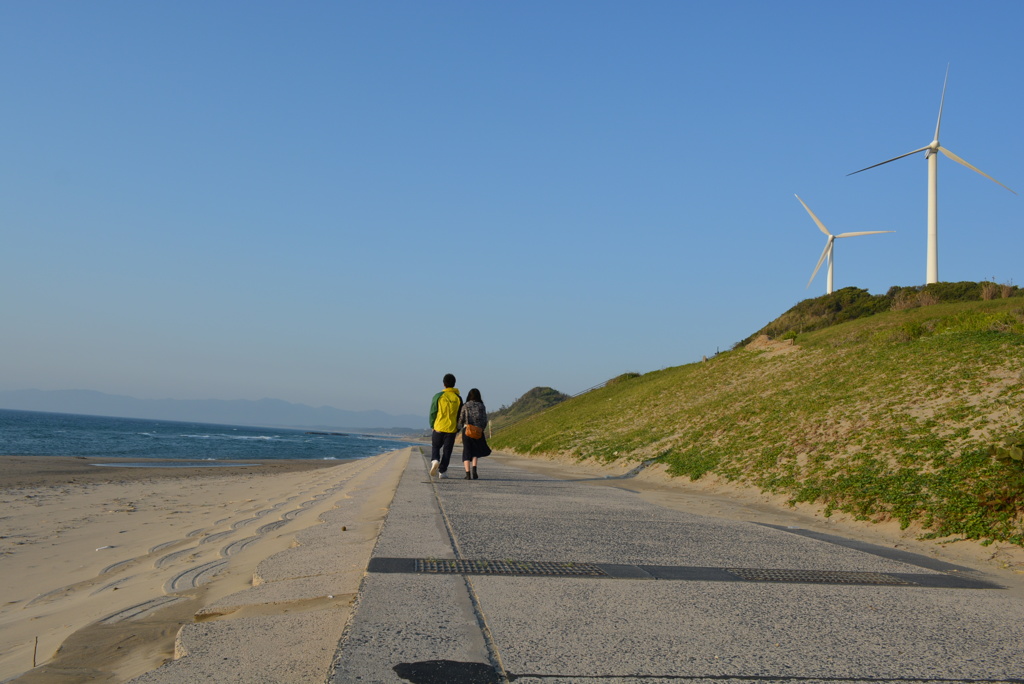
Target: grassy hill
[[884, 415]]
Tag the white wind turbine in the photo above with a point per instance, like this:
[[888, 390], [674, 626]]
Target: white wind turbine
[[830, 243], [930, 153]]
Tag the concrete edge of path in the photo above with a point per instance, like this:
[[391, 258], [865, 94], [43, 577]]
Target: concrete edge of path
[[402, 620]]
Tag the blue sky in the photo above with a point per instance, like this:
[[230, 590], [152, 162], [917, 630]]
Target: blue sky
[[338, 202]]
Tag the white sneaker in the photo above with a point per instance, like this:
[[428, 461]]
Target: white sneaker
[[442, 476], [434, 465]]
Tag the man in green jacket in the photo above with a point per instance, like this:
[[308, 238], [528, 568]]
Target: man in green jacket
[[444, 420]]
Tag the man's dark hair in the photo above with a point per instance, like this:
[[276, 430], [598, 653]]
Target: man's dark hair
[[449, 380]]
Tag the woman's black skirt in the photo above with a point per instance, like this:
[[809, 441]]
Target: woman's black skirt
[[474, 448]]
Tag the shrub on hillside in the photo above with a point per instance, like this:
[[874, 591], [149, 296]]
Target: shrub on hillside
[[955, 292], [991, 290], [904, 298]]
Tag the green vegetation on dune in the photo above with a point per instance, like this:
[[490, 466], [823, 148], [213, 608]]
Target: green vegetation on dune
[[884, 416]]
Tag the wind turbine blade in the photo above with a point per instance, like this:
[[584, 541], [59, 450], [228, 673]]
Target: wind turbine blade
[[941, 103], [922, 149], [867, 232], [820, 262], [816, 220], [958, 160]]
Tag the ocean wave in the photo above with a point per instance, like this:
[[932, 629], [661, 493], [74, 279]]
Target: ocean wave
[[260, 438]]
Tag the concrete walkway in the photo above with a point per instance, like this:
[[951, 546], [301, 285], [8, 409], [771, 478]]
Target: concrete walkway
[[605, 587]]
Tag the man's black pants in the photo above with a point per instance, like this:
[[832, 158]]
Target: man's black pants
[[441, 445]]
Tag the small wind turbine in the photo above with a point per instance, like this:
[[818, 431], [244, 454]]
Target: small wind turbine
[[830, 243], [930, 153]]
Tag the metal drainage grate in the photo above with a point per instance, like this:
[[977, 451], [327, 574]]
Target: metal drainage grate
[[818, 576], [508, 567]]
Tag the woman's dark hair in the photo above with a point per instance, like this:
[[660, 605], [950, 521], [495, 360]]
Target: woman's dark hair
[[474, 395]]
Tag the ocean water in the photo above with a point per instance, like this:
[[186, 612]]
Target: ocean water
[[30, 433]]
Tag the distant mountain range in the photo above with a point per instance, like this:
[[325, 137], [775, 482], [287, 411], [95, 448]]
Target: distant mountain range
[[265, 412]]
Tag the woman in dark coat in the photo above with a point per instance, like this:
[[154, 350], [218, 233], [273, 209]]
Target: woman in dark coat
[[473, 412]]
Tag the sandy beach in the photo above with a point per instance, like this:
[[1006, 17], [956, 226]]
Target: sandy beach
[[104, 564]]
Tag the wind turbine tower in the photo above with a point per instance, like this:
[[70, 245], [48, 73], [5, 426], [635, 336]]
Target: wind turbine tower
[[931, 151], [830, 244]]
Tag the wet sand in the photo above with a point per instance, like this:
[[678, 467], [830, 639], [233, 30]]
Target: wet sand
[[39, 471]]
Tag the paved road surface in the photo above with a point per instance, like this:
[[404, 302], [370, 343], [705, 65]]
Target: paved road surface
[[610, 588]]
